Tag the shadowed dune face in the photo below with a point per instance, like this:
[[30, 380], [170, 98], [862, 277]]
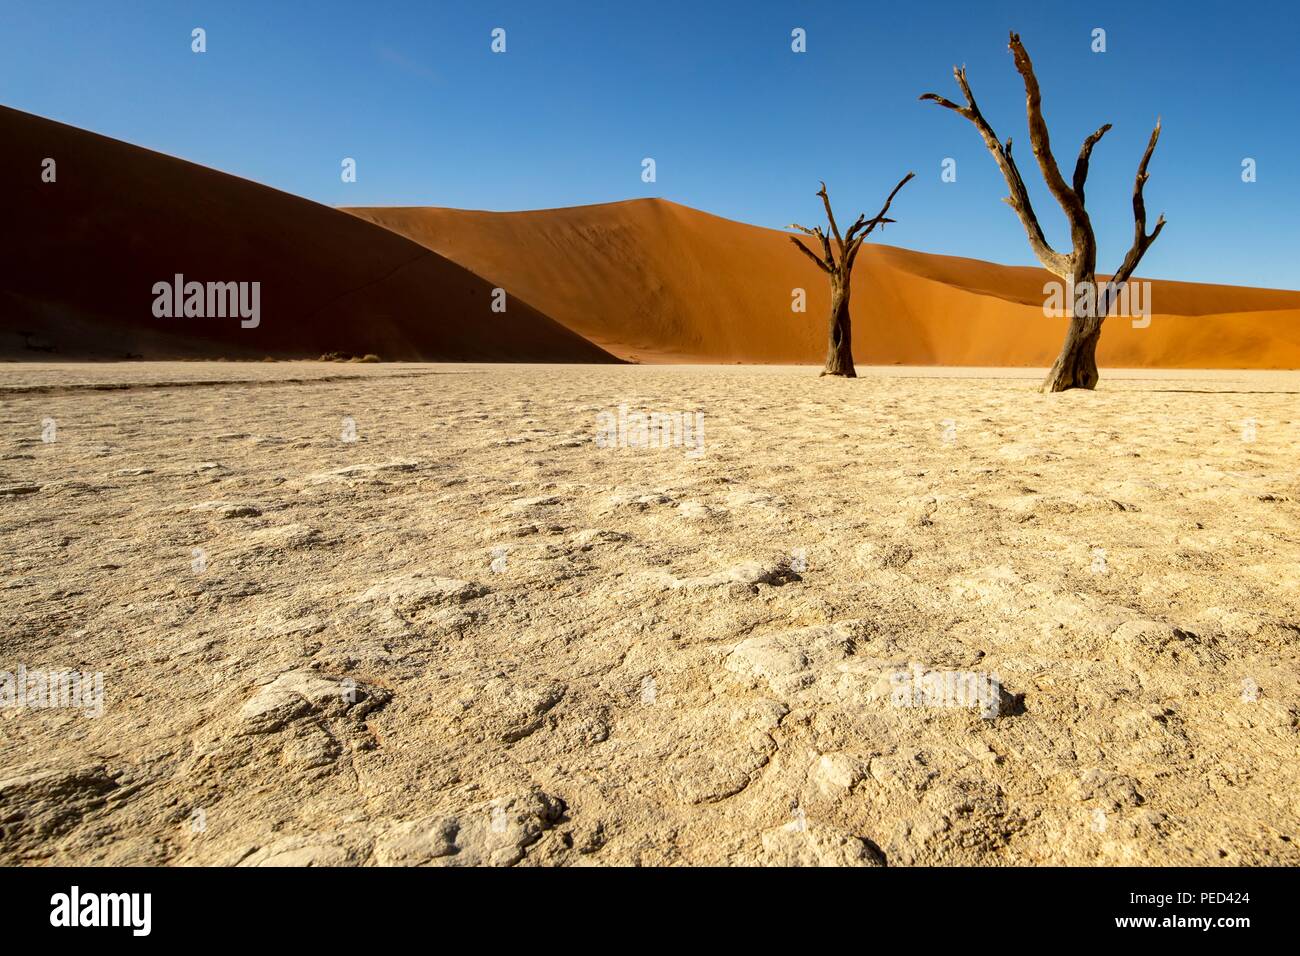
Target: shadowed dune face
[[655, 280], [79, 258]]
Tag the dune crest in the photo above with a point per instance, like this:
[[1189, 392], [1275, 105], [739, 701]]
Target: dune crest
[[656, 281], [646, 280]]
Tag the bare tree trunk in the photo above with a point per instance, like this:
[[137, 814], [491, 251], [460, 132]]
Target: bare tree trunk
[[839, 350], [1076, 366]]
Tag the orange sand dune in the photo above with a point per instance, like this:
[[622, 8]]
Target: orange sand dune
[[646, 279], [79, 258], [657, 281]]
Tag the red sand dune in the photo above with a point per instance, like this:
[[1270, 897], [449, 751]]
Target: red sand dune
[[657, 281], [79, 258], [645, 279]]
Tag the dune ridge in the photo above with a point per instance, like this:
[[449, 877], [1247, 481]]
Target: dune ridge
[[646, 280], [656, 281]]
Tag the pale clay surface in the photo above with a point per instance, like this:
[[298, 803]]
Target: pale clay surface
[[472, 637]]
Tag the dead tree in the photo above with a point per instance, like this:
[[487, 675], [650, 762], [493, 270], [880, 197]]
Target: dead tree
[[1076, 366], [839, 353]]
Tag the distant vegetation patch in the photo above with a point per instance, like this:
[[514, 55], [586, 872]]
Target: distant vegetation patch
[[348, 357]]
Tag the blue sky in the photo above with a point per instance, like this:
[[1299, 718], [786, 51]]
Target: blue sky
[[738, 124]]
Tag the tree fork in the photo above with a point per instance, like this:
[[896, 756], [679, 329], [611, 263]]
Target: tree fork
[[1076, 366]]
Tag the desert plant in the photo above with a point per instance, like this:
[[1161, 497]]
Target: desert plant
[[839, 352], [1076, 366]]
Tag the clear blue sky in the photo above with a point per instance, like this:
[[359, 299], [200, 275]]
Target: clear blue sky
[[738, 124]]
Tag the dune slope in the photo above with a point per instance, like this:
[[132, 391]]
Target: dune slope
[[658, 281], [79, 258]]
